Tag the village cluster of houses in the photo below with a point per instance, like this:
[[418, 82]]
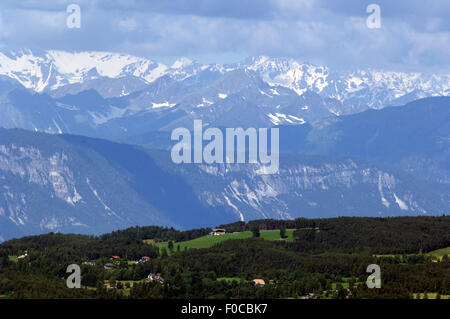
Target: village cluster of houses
[[153, 277]]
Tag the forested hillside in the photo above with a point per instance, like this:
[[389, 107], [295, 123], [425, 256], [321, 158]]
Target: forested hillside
[[327, 259]]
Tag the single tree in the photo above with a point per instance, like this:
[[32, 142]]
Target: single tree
[[255, 231], [282, 232]]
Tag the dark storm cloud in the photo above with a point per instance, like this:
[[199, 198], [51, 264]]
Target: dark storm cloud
[[414, 34]]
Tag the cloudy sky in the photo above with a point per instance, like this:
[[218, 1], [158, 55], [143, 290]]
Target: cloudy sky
[[414, 34]]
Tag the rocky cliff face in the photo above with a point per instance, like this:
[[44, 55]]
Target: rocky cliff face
[[318, 188], [47, 187], [76, 184]]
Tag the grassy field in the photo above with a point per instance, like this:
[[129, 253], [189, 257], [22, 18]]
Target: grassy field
[[440, 252], [208, 241], [13, 259], [431, 295]]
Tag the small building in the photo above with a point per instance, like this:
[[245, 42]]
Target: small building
[[259, 282], [144, 259], [109, 266], [89, 262], [156, 277], [25, 254], [115, 257], [217, 232]]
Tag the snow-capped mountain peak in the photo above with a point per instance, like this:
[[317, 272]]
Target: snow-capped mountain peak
[[53, 69], [365, 87], [358, 89], [182, 63]]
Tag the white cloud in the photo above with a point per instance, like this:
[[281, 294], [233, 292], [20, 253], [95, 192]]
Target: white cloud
[[128, 24], [414, 34]]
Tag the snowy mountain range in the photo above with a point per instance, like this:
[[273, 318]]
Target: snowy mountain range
[[49, 71], [362, 142], [114, 96]]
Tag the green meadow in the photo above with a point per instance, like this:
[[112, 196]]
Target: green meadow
[[345, 283], [209, 241], [13, 259], [439, 253]]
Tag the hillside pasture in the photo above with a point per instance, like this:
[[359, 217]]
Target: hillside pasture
[[209, 241]]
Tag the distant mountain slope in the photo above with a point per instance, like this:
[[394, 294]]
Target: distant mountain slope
[[163, 105], [105, 86], [414, 137], [78, 184]]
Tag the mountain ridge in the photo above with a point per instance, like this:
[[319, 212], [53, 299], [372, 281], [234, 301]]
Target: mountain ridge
[[52, 69]]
